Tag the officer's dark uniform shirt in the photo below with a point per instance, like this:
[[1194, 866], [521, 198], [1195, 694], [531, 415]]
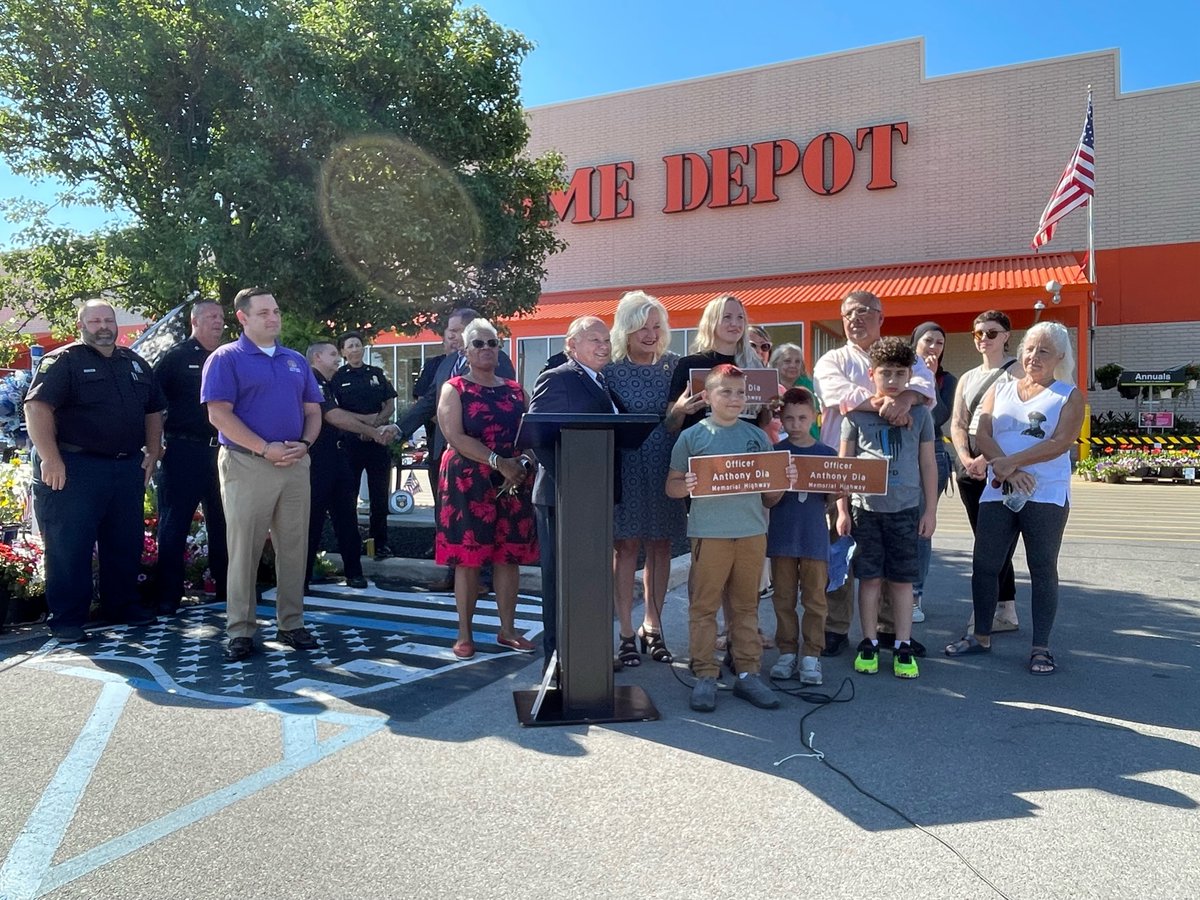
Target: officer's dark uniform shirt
[[100, 402], [324, 451], [362, 390], [179, 373]]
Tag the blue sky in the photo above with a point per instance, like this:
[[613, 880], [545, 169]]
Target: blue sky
[[588, 48]]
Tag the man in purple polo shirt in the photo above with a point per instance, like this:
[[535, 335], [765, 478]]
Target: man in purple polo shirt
[[266, 406]]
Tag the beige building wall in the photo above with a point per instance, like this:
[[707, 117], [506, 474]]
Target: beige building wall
[[985, 150]]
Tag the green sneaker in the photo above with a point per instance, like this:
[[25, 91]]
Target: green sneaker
[[867, 660], [904, 664]]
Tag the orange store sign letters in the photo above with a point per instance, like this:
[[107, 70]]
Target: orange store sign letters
[[734, 176]]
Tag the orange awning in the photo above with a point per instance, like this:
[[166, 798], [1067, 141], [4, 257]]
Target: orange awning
[[966, 285]]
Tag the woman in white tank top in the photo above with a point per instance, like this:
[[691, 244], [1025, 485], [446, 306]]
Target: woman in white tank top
[[1026, 431]]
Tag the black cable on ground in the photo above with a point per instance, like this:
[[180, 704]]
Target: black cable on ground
[[823, 700]]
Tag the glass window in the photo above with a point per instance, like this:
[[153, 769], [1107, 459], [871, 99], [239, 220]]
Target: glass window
[[402, 364], [532, 354]]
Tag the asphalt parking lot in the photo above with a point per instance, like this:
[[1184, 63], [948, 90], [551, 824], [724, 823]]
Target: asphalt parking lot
[[976, 780]]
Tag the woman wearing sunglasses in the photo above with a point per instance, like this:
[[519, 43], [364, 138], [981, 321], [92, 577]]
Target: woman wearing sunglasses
[[486, 512], [990, 333]]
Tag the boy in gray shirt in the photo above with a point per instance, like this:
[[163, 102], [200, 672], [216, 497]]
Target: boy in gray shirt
[[886, 526]]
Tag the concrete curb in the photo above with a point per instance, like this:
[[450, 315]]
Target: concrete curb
[[426, 571]]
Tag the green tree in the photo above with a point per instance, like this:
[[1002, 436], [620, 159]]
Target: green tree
[[363, 157]]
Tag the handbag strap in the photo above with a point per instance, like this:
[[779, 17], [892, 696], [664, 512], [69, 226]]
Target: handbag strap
[[983, 389]]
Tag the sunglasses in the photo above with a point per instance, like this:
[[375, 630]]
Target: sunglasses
[[760, 345], [490, 342], [990, 333]]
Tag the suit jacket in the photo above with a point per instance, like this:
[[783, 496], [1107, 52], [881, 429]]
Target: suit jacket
[[426, 406], [566, 389]]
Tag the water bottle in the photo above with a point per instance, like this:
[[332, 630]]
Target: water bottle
[[1013, 498]]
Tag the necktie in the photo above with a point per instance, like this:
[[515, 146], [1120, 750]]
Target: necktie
[[604, 387], [460, 365]]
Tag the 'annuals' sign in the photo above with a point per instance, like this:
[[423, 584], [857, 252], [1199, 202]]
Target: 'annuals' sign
[[734, 176]]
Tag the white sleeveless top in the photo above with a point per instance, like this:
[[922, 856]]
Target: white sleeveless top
[[1018, 425]]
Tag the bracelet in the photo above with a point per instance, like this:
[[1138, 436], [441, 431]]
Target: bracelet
[[494, 460], [266, 447], [305, 443]]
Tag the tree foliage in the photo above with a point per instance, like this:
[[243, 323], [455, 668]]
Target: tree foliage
[[241, 134]]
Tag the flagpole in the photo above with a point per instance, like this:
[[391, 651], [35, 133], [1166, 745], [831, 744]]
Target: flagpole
[[1091, 239]]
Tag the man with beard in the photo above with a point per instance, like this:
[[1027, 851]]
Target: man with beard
[[94, 412]]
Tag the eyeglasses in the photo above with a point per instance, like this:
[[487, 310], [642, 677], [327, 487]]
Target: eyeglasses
[[490, 342], [990, 333], [859, 312]]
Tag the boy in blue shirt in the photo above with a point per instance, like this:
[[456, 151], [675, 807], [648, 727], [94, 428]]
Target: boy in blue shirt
[[729, 544], [885, 527], [798, 547]]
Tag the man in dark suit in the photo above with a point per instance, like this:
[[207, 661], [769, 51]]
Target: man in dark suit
[[575, 387]]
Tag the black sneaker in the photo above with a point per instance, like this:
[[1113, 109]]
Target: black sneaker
[[358, 581], [382, 552], [139, 618], [239, 648], [887, 641], [69, 634], [300, 638], [835, 643]]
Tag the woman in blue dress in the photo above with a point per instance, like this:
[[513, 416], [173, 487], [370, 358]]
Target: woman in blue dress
[[646, 517]]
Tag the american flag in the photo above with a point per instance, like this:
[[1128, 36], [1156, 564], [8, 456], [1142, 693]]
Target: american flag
[[1075, 188], [412, 485]]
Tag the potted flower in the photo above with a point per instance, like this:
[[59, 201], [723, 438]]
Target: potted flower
[[1107, 375], [22, 583], [1086, 468], [16, 483]]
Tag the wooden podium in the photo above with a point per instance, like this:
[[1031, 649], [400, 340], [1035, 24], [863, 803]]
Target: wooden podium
[[584, 445]]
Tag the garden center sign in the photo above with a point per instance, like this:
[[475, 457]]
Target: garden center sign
[[734, 176]]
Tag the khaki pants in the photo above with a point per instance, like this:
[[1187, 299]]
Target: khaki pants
[[810, 576], [260, 497], [717, 564]]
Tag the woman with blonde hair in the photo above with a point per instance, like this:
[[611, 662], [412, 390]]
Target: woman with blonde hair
[[640, 375], [720, 338], [1027, 429]]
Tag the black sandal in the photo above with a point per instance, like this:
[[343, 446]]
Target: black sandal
[[652, 643], [1041, 662], [627, 652]]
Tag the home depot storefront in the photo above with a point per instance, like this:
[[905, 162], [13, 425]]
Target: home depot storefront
[[792, 184]]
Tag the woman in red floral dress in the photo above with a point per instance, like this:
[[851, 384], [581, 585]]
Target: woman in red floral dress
[[486, 488]]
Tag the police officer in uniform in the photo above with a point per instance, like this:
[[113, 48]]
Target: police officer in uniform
[[94, 412], [334, 486], [188, 476], [365, 390]]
